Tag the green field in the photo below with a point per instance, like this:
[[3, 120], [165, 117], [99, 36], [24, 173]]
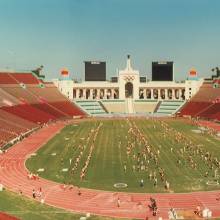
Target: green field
[[28, 209], [126, 151]]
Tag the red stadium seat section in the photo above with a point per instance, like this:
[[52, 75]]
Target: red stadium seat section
[[205, 104], [29, 113], [5, 78], [17, 78], [26, 103], [193, 108]]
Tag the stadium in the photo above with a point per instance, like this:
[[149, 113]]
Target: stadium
[[130, 147]]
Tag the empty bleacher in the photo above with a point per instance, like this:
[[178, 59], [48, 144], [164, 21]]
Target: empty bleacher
[[168, 107], [26, 103], [17, 78], [206, 93], [5, 78], [21, 94], [26, 78], [12, 126], [211, 111], [30, 113], [7, 100], [193, 108], [92, 107], [205, 104]]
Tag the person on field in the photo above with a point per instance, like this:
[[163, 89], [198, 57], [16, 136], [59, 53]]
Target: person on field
[[118, 202], [125, 168], [79, 191], [141, 183], [34, 193], [167, 185]]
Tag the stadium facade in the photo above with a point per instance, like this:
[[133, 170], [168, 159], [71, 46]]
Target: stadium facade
[[129, 84]]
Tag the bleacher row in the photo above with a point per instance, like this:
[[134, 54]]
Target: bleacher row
[[119, 106], [205, 104], [27, 102]]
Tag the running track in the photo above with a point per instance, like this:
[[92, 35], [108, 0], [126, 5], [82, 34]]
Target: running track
[[13, 175]]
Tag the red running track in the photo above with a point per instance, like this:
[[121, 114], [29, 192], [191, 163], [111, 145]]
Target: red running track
[[13, 175]]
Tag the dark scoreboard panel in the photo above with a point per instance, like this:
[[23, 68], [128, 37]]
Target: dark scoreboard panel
[[162, 71], [95, 71]]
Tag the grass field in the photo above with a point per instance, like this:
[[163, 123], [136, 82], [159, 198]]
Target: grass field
[[27, 209], [126, 151]]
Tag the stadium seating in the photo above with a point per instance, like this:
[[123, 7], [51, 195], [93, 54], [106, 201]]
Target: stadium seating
[[169, 107], [68, 108], [30, 113], [193, 108], [206, 93], [5, 78], [26, 103], [26, 78], [23, 95], [210, 111], [216, 116], [17, 78], [205, 103], [48, 92], [7, 100], [16, 121], [92, 107]]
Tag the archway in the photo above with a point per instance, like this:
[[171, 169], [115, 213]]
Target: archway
[[128, 90]]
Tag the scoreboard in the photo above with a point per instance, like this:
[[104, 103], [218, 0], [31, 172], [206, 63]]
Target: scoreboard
[[95, 71], [162, 71]]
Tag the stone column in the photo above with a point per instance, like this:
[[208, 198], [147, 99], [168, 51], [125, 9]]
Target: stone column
[[84, 93], [152, 93], [166, 94], [91, 93], [105, 93], [159, 95], [112, 93], [98, 93], [145, 93], [173, 94], [77, 93], [180, 94]]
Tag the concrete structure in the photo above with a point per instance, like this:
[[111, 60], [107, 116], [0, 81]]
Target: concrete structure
[[128, 86]]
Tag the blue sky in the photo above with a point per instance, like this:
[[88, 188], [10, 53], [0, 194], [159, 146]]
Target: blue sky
[[64, 33]]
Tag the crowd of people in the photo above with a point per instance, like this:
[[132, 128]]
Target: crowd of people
[[146, 157], [191, 154], [86, 164], [88, 142]]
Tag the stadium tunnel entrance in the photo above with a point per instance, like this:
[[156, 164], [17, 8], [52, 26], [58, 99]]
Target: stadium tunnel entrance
[[128, 90]]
